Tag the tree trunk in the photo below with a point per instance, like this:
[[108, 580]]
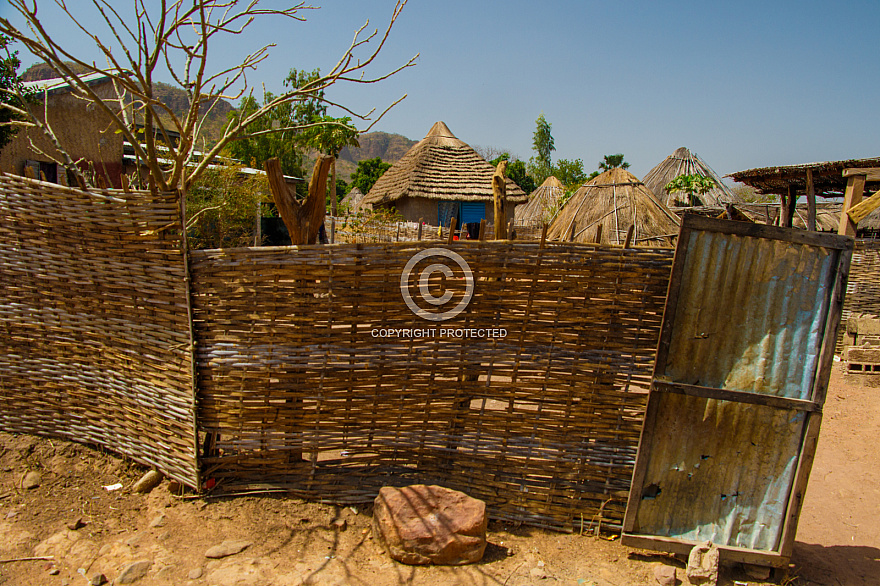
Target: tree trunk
[[304, 220], [333, 188]]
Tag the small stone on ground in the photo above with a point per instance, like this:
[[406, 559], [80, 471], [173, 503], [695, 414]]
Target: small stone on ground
[[31, 480], [134, 572], [227, 548], [148, 482]]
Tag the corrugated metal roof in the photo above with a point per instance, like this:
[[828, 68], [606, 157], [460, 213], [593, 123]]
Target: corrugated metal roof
[[59, 85]]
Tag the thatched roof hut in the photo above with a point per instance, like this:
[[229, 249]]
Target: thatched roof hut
[[685, 162], [353, 201], [544, 204], [436, 177], [615, 200]]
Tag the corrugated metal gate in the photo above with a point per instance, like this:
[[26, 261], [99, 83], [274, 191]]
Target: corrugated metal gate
[[739, 383]]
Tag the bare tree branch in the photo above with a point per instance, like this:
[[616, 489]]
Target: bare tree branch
[[178, 37]]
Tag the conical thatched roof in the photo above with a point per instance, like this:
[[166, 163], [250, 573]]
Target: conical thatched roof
[[353, 200], [543, 204], [440, 167], [684, 162], [616, 200]]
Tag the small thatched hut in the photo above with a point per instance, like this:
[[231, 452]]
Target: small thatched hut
[[441, 178], [615, 200], [353, 202], [684, 162], [544, 204]]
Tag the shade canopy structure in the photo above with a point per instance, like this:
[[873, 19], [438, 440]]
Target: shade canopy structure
[[828, 179], [544, 204], [615, 200], [848, 178], [440, 167], [685, 162]]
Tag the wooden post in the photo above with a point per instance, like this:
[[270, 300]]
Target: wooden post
[[855, 187], [598, 234], [421, 220], [499, 195], [571, 232], [333, 229], [451, 231], [788, 207], [811, 202], [483, 229], [629, 236], [511, 234], [543, 236]]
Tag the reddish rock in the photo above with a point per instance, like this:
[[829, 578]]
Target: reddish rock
[[421, 525], [665, 575]]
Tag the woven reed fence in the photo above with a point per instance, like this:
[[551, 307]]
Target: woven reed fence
[[95, 342], [863, 288], [302, 387], [354, 230]]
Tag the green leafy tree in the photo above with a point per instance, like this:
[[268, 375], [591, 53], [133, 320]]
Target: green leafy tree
[[541, 165], [693, 186], [11, 105], [517, 172], [570, 173], [288, 145], [224, 207], [367, 173], [613, 162]]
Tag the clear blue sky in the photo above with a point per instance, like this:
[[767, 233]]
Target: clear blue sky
[[744, 84]]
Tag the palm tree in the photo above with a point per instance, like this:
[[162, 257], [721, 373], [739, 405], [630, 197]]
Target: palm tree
[[613, 162]]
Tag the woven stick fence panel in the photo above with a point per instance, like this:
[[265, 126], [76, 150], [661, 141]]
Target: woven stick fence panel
[[94, 345], [533, 401], [356, 229], [863, 287]]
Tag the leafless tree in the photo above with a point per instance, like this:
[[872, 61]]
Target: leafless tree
[[177, 36]]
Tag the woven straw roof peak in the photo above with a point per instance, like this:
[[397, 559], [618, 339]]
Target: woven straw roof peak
[[552, 182], [543, 203], [616, 199], [685, 162], [440, 167]]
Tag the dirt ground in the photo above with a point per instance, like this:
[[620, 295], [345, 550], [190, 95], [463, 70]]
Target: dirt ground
[[295, 542]]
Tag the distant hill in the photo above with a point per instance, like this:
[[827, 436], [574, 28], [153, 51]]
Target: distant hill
[[388, 147], [175, 98]]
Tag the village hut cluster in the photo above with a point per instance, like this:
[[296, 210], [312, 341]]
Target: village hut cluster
[[443, 183]]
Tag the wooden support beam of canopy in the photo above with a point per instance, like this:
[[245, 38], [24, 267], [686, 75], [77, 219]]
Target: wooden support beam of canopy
[[870, 173], [811, 202], [855, 187]]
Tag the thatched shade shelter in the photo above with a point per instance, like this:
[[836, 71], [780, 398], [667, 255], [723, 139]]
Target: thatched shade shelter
[[440, 178], [825, 179], [615, 200], [543, 204], [685, 162], [353, 201]]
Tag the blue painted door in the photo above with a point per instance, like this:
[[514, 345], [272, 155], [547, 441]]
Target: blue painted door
[[472, 211]]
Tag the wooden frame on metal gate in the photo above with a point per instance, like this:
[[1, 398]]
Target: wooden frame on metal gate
[[740, 378]]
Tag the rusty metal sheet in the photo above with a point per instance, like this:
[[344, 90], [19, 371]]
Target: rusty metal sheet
[[746, 306], [735, 403]]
